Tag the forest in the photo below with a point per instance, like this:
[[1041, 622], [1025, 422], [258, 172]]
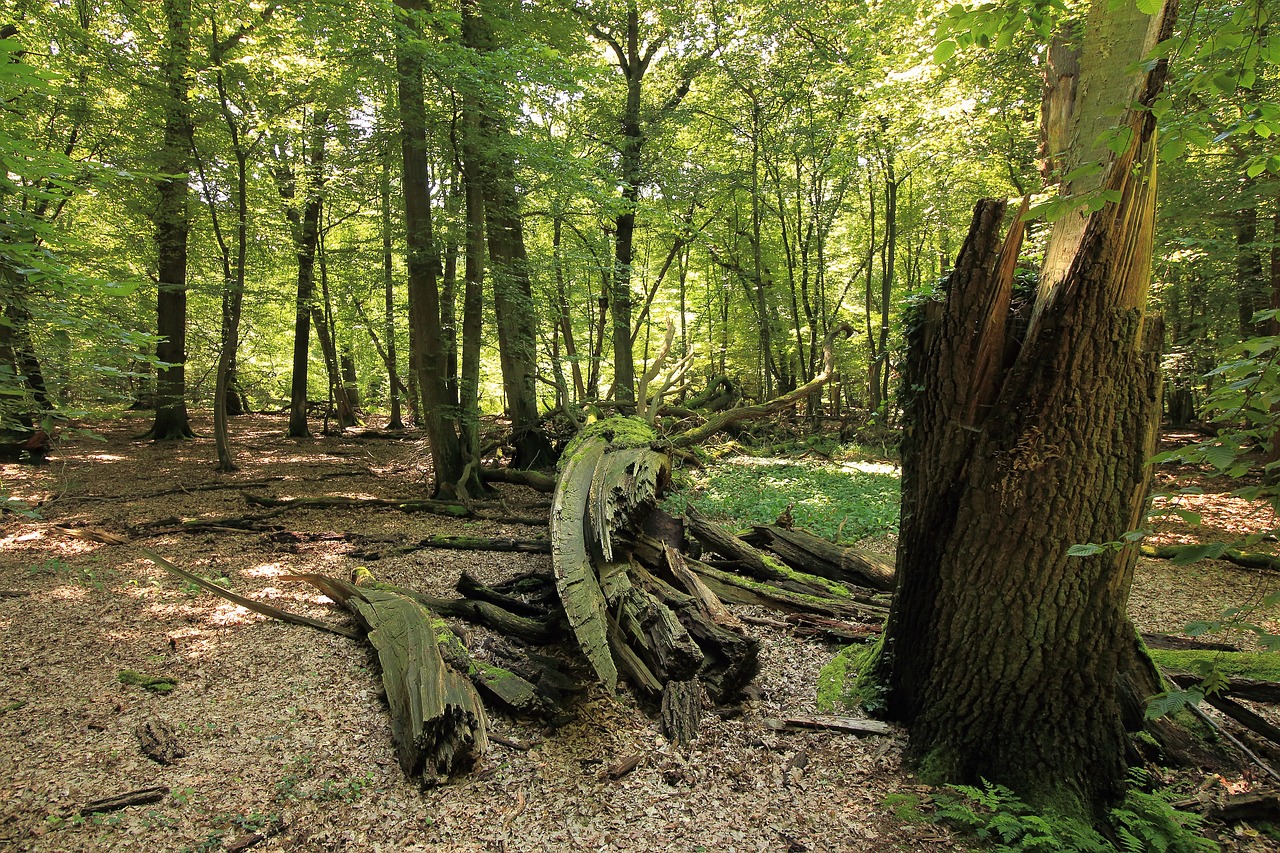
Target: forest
[[599, 424]]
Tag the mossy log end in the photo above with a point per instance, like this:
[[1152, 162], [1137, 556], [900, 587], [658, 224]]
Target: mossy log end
[[438, 722]]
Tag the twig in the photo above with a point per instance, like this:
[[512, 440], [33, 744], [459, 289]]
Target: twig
[[140, 797]]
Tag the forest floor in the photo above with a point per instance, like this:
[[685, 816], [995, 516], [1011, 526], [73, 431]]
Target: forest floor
[[283, 728]]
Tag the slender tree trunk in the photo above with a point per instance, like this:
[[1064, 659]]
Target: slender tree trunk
[[306, 236], [389, 290], [173, 224], [1003, 654], [514, 308], [564, 317], [472, 310], [437, 410], [326, 330]]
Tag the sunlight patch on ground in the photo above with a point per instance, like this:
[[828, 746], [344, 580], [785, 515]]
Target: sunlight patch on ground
[[871, 468], [106, 457], [226, 615], [266, 570], [69, 593]]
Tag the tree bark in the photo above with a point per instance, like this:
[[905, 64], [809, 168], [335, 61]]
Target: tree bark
[[1001, 652]]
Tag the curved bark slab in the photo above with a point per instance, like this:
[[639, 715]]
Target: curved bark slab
[[576, 579]]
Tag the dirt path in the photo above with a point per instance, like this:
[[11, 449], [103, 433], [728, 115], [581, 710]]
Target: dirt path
[[284, 726]]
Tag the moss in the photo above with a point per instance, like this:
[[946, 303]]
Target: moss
[[848, 681], [939, 766], [1264, 666], [155, 683], [836, 589], [619, 432]]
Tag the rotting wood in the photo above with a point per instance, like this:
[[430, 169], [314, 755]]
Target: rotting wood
[[449, 508], [140, 797], [681, 711], [623, 766], [438, 723], [845, 725], [1237, 688], [1243, 559], [533, 479], [1168, 641], [158, 741], [15, 593], [808, 553], [1245, 717], [461, 543], [708, 602]]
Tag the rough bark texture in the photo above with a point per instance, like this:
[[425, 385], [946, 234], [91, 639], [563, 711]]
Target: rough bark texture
[[1001, 652]]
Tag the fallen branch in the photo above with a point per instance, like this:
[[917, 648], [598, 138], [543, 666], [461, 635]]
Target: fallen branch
[[533, 479], [1244, 559], [249, 603], [455, 510], [462, 543], [808, 553], [727, 418], [140, 797]]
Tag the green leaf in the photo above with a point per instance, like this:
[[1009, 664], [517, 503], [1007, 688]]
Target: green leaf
[[944, 51], [1087, 549], [1149, 7], [1188, 554]]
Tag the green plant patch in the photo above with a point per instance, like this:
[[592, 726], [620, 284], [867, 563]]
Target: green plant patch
[[1263, 666], [837, 502], [155, 683]]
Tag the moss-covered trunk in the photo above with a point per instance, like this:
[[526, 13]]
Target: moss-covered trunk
[[1002, 652]]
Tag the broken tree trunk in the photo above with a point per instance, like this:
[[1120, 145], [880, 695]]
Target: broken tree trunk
[[625, 620]]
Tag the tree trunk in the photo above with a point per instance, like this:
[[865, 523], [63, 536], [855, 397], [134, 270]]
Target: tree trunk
[[388, 287], [437, 410], [173, 224], [1001, 652], [305, 225]]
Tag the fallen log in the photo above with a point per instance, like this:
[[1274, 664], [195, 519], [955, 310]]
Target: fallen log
[[140, 797], [1242, 715], [1237, 688], [808, 553], [462, 543], [533, 479], [449, 508], [1243, 559], [845, 725], [681, 711], [761, 566], [1168, 641]]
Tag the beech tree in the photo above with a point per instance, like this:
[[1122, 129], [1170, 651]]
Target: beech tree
[[1011, 658]]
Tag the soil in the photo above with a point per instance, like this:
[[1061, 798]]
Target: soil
[[284, 736]]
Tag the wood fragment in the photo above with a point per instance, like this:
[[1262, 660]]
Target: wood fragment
[[846, 725], [15, 593], [624, 766], [1245, 807], [140, 797], [1169, 641], [681, 711], [159, 741], [708, 602]]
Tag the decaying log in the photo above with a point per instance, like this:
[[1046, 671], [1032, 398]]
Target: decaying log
[[438, 722], [1242, 715], [1243, 559], [252, 839], [140, 797], [681, 711], [1168, 641], [1242, 807], [158, 741], [460, 543], [1237, 688], [476, 591], [449, 508], [808, 553], [533, 479], [707, 601]]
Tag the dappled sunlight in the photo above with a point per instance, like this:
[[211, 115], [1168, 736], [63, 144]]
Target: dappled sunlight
[[68, 593], [871, 468], [266, 570], [105, 457]]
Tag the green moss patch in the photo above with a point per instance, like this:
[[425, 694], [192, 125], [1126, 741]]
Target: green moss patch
[[1263, 666], [155, 683], [842, 685]]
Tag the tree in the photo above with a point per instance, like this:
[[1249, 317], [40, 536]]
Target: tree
[[172, 220], [1005, 653]]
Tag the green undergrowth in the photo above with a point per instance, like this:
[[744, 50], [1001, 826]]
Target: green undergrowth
[[1145, 821], [845, 498]]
